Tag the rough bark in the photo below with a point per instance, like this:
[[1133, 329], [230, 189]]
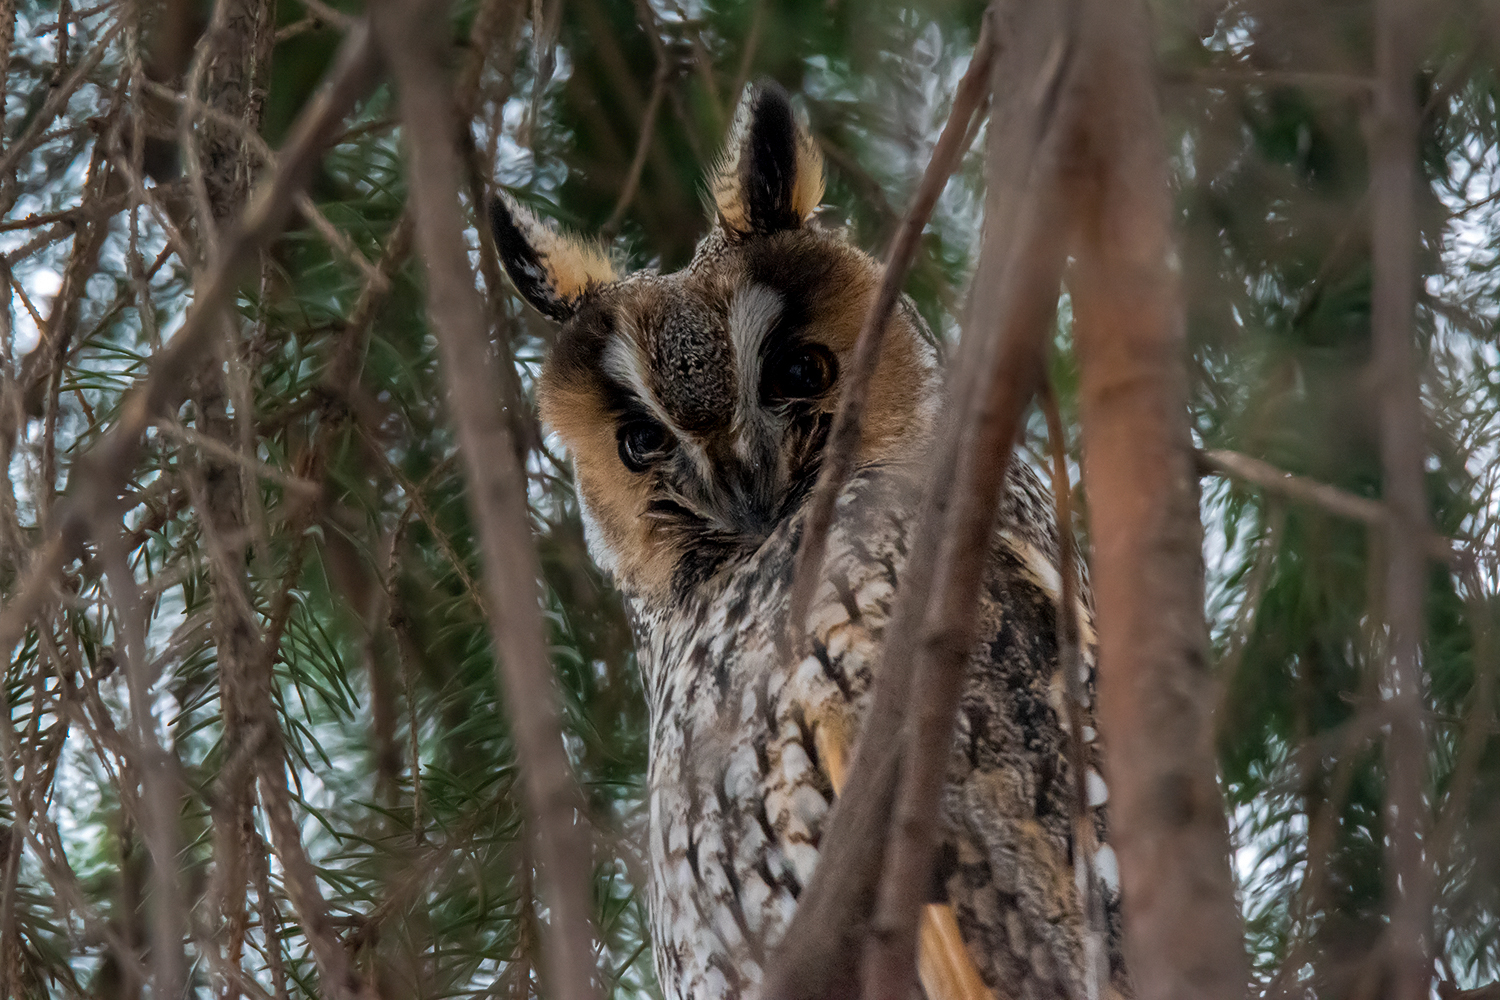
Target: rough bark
[[238, 61]]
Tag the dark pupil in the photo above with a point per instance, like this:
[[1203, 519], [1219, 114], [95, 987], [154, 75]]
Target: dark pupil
[[639, 441], [804, 374]]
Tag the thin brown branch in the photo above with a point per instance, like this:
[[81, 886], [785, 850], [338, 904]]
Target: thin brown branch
[[40, 833], [843, 447], [99, 474], [154, 767], [413, 40], [337, 976], [45, 361], [270, 918], [1332, 499], [216, 448], [1184, 933], [1395, 126], [86, 211], [57, 99], [751, 48]]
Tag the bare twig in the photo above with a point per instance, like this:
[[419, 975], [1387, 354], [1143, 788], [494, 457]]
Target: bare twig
[[224, 453], [643, 146], [1184, 933], [90, 209], [1309, 491], [337, 976], [843, 447], [159, 816], [412, 40], [751, 47], [1011, 311], [1333, 499], [56, 100]]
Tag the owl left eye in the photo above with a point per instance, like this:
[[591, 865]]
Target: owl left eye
[[803, 373], [642, 442]]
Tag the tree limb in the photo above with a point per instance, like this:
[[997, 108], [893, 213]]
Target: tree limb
[[998, 364], [1394, 237]]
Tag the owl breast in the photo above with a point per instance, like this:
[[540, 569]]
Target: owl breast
[[740, 780]]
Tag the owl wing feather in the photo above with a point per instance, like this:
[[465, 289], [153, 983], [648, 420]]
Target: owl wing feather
[[1013, 919], [944, 965]]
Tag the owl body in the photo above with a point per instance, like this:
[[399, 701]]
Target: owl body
[[739, 788], [695, 406]]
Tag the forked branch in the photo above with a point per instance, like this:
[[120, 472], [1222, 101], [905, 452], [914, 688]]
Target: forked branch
[[865, 858], [99, 475]]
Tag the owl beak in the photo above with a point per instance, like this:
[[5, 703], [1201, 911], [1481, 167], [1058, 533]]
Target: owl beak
[[752, 512], [746, 494]]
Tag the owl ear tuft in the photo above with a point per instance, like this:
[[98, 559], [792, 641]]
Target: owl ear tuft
[[770, 177], [552, 270]]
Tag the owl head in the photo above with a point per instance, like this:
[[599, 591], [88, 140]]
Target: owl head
[[695, 404]]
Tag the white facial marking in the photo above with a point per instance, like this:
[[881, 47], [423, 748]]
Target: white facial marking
[[597, 542], [752, 315], [624, 363]]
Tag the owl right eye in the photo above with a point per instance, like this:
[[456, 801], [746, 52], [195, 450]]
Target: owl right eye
[[641, 443]]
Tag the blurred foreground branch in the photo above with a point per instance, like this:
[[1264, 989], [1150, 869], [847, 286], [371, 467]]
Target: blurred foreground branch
[[1183, 930], [413, 39], [1332, 499], [877, 847], [842, 448], [1394, 127]]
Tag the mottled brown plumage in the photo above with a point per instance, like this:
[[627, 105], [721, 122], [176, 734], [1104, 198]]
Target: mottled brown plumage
[[695, 406]]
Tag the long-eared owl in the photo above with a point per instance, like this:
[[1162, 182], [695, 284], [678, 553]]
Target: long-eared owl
[[695, 406]]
